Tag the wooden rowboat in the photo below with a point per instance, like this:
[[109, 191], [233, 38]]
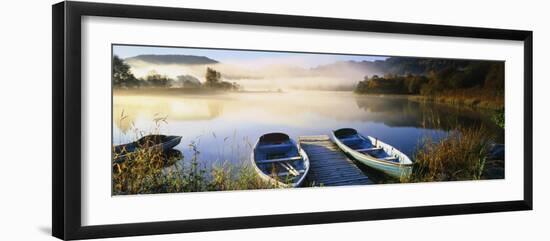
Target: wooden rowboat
[[279, 160], [373, 153], [162, 143]]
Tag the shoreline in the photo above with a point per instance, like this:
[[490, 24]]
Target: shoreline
[[468, 102], [202, 91], [182, 91]]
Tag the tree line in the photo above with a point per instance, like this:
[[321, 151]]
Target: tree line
[[123, 77], [432, 77]]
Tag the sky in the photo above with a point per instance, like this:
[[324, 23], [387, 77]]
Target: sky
[[306, 60]]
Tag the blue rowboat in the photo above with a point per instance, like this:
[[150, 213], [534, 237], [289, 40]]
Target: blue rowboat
[[279, 160], [373, 153]]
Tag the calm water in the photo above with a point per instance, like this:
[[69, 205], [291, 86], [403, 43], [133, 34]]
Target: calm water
[[225, 126]]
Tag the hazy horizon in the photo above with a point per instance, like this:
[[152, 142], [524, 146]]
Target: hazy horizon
[[255, 69]]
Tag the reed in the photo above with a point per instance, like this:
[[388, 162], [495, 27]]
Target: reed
[[473, 97], [461, 155], [144, 174], [498, 117], [142, 171]]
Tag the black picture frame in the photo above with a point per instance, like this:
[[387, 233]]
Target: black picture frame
[[67, 136]]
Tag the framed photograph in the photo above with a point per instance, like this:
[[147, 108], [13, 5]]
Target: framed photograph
[[169, 120]]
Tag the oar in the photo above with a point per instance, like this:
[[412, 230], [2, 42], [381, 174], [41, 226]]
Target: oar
[[289, 169], [292, 168]]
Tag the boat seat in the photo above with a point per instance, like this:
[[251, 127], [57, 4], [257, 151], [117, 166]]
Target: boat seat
[[351, 140], [279, 160], [369, 149], [276, 148], [390, 158], [280, 145]]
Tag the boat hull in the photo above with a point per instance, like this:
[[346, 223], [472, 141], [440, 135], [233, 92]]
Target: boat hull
[[171, 142]]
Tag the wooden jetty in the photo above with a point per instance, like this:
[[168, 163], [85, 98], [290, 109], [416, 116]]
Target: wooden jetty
[[329, 166]]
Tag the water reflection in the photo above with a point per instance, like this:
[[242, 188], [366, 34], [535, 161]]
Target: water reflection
[[225, 126], [401, 112], [128, 109]]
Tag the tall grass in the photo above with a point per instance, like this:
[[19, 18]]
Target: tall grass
[[144, 174], [461, 155], [140, 171], [498, 117]]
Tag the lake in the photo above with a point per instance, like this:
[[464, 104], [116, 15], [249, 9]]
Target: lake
[[225, 126]]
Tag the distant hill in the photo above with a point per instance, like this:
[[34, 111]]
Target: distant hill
[[171, 59], [420, 66], [358, 67], [392, 65]]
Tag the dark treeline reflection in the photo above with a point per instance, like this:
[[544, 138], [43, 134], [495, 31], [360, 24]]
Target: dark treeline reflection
[[402, 112]]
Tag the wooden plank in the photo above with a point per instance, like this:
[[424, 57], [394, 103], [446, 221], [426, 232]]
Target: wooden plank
[[347, 180], [331, 161], [339, 175], [335, 168], [314, 138], [326, 157], [333, 157], [329, 165], [317, 143], [320, 150], [339, 172]]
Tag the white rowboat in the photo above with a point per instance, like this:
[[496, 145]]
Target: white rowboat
[[373, 153]]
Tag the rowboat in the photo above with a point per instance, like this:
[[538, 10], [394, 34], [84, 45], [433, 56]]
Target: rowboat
[[148, 143], [372, 152], [279, 160]]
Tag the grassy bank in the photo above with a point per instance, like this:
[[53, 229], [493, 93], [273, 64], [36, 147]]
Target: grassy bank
[[147, 173], [475, 98], [166, 91], [149, 91], [462, 155]]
